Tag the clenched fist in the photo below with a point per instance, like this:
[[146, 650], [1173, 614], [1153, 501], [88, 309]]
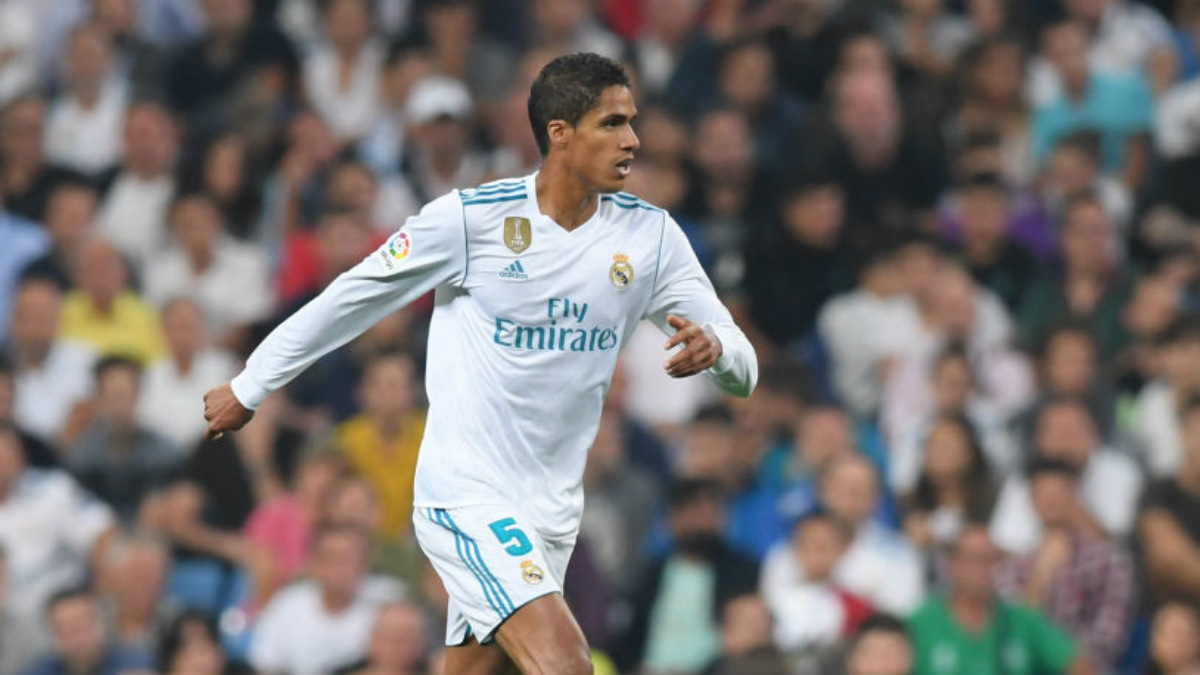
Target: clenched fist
[[224, 412]]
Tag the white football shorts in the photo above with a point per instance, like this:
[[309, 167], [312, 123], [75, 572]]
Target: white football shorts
[[492, 561]]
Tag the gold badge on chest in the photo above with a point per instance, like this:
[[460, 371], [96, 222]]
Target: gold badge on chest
[[621, 272], [518, 234]]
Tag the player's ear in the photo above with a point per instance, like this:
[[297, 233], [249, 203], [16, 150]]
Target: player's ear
[[559, 132]]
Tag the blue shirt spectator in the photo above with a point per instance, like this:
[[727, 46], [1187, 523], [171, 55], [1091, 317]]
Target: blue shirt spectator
[[24, 242]]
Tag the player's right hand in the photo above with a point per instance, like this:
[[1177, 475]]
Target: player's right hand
[[224, 412]]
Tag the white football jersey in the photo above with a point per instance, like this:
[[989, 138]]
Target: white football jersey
[[528, 320]]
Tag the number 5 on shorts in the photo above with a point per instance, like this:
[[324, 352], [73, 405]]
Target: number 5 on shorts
[[506, 530]]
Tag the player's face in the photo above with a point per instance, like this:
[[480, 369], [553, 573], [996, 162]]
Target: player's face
[[603, 143]]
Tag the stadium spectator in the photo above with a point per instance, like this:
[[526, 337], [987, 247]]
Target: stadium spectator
[[995, 261], [460, 47], [746, 646], [311, 259], [53, 532], [233, 52], [1158, 405], [674, 54], [811, 611], [52, 374], [191, 645], [1074, 168], [880, 566], [27, 177], [865, 330], [711, 452], [83, 125], [138, 61], [880, 646], [229, 176], [1110, 483], [954, 487], [70, 213], [132, 580], [678, 603], [1069, 367], [18, 37], [397, 645], [1014, 638], [104, 312], [82, 644], [342, 72], [133, 213], [21, 639], [203, 511], [24, 242], [381, 443], [1089, 285], [1167, 523], [321, 624], [116, 458], [1175, 640], [956, 389], [227, 278], [870, 146], [620, 494], [37, 452], [443, 157], [173, 387], [747, 81], [566, 27], [1118, 106], [926, 37], [791, 275], [822, 433], [282, 526], [1083, 582]]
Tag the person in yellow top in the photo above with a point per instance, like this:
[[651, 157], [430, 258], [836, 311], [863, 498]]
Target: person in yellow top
[[382, 441], [103, 313]]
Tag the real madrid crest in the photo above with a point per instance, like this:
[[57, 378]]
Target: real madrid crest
[[621, 272], [518, 234], [532, 574]]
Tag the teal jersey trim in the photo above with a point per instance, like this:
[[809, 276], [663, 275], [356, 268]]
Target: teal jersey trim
[[493, 200]]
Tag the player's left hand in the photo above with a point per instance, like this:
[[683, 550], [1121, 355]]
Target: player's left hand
[[701, 348]]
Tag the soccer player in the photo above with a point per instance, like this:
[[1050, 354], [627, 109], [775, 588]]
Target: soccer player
[[538, 281]]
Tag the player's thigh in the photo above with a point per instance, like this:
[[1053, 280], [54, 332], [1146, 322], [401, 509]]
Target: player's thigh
[[542, 638], [472, 658]]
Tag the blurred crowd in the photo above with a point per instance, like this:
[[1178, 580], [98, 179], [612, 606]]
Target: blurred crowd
[[963, 235]]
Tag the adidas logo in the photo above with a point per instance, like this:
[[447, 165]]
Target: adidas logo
[[514, 272]]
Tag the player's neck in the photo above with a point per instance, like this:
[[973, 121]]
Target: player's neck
[[564, 198]]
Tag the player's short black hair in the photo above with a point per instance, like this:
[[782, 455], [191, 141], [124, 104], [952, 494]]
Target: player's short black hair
[[567, 88]]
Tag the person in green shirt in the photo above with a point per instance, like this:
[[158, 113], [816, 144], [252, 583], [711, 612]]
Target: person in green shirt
[[971, 630]]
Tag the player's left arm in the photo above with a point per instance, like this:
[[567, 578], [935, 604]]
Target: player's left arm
[[685, 306]]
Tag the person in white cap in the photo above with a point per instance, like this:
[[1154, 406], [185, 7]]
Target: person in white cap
[[439, 112], [538, 282]]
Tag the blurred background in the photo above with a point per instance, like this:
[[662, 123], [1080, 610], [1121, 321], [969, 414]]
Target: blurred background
[[964, 236]]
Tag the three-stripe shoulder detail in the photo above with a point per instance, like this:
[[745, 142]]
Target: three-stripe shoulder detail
[[624, 200], [491, 193]]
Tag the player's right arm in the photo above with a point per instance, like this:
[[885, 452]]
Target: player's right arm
[[427, 252]]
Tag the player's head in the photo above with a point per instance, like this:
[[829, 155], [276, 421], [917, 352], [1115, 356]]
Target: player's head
[[582, 111]]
